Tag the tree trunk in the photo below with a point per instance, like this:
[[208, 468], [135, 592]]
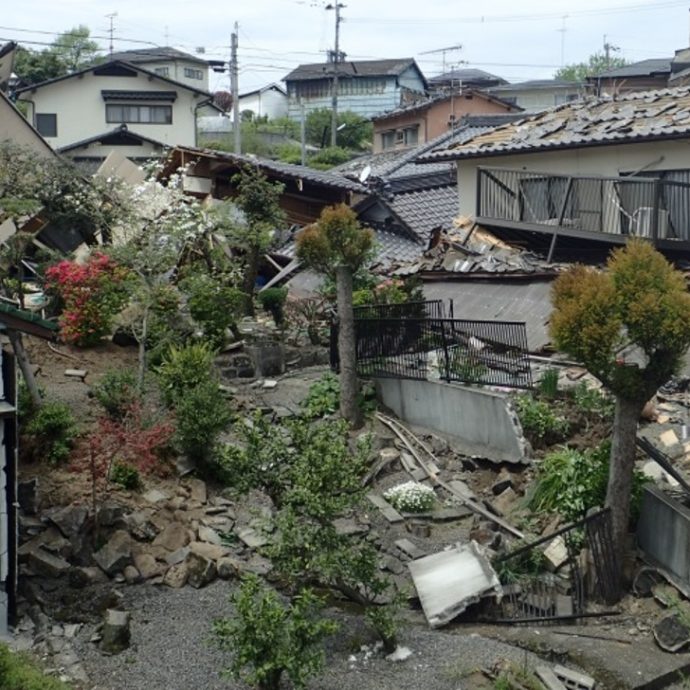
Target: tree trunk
[[349, 387], [141, 372], [25, 367], [620, 475], [251, 270]]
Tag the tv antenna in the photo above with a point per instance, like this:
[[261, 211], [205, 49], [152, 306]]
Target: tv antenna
[[111, 30], [443, 52]]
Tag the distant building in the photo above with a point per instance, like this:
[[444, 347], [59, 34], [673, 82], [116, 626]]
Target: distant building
[[365, 87], [638, 76], [539, 94], [169, 62], [269, 101], [420, 122], [465, 78]]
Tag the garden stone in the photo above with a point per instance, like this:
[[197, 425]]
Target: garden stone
[[84, 577], [47, 564], [154, 496], [176, 577], [70, 520], [131, 575], [177, 556], [198, 491], [201, 570], [116, 554], [27, 496], [505, 503], [116, 632], [173, 537], [110, 513], [147, 566], [140, 527], [209, 535], [210, 551], [228, 568]]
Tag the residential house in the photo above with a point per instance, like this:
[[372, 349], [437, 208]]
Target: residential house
[[584, 176], [114, 105], [644, 75], [15, 128], [269, 101], [170, 63], [365, 87], [420, 122], [538, 94], [465, 78]]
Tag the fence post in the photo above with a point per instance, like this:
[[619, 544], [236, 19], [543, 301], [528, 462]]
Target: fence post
[[478, 199], [657, 208], [444, 342]]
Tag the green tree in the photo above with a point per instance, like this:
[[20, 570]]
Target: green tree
[[70, 51], [355, 132], [630, 326], [338, 246], [259, 201], [595, 64]]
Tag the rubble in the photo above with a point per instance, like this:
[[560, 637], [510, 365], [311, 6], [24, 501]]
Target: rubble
[[116, 632]]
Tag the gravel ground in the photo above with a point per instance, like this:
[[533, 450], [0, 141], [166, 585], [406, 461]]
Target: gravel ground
[[172, 650]]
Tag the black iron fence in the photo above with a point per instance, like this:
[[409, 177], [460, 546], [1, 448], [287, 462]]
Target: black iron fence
[[435, 309], [645, 206], [435, 347]]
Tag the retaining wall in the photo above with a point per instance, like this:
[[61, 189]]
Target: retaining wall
[[478, 421]]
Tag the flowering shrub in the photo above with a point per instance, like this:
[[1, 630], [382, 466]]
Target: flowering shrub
[[411, 497], [91, 294]]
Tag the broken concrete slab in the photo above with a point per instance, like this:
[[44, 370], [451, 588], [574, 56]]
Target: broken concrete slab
[[252, 538], [47, 564], [556, 553], [449, 581], [671, 634], [573, 679], [410, 549], [390, 513], [549, 678]]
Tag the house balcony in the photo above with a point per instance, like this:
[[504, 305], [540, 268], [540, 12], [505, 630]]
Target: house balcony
[[598, 209]]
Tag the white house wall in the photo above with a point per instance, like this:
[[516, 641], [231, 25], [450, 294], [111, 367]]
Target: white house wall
[[176, 71], [607, 161], [81, 110], [14, 128], [269, 103]]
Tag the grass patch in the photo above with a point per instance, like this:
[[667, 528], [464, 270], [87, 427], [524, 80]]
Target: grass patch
[[20, 672]]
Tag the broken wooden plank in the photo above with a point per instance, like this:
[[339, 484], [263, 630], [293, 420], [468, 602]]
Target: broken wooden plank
[[549, 678], [387, 510]]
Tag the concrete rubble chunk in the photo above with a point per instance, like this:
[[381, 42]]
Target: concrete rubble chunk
[[27, 496], [47, 564], [116, 632], [462, 489], [549, 678], [131, 574], [251, 537], [503, 482], [228, 567], [141, 527], [201, 571], [449, 581], [410, 549], [178, 556], [198, 490], [155, 496], [573, 679], [390, 513], [505, 503], [210, 551], [116, 555], [209, 535], [556, 553], [76, 373], [173, 537]]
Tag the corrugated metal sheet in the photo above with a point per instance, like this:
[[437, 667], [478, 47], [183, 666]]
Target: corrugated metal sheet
[[499, 300]]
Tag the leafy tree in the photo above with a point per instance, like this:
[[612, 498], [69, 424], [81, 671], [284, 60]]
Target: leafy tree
[[596, 64], [70, 51], [328, 158], [223, 99], [630, 326], [337, 246], [259, 201], [356, 132]]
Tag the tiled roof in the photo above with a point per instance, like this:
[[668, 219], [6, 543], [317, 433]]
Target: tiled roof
[[142, 55], [643, 68], [468, 76], [535, 84], [427, 209], [325, 178], [350, 68], [633, 117]]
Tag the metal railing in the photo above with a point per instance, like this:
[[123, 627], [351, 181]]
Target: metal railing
[[483, 352], [656, 208], [435, 309]]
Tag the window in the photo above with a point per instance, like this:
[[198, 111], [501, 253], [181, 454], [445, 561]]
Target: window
[[193, 73], [46, 124], [162, 71], [388, 139], [139, 114], [411, 135]]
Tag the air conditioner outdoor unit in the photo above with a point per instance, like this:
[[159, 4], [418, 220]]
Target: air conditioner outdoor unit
[[642, 222]]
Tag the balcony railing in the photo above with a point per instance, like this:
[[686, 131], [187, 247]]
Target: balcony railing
[[605, 208]]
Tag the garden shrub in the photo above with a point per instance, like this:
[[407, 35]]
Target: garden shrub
[[116, 390], [19, 672], [593, 401], [126, 476], [570, 482], [53, 430], [540, 423], [270, 638], [323, 397], [411, 497], [184, 368], [91, 294], [548, 384], [273, 301]]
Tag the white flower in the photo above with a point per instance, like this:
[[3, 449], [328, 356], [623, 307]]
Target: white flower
[[411, 497]]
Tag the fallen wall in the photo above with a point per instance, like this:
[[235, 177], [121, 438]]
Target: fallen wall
[[663, 532], [478, 421]]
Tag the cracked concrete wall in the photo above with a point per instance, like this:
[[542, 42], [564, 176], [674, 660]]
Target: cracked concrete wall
[[480, 422]]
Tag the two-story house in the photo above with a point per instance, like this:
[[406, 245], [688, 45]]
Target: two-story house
[[420, 122], [365, 87], [114, 105]]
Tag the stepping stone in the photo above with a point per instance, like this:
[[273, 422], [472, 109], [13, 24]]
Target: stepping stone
[[390, 513]]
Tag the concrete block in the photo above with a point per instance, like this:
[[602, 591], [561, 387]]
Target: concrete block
[[449, 581], [549, 678]]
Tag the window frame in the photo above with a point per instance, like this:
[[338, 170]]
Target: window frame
[[40, 128], [127, 117]]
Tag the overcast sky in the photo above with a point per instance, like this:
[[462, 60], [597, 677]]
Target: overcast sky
[[517, 41]]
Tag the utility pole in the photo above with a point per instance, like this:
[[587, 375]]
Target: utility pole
[[608, 48], [302, 132], [235, 86], [336, 59], [111, 30]]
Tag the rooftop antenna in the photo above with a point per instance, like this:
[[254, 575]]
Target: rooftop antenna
[[562, 31], [443, 52], [111, 30]]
